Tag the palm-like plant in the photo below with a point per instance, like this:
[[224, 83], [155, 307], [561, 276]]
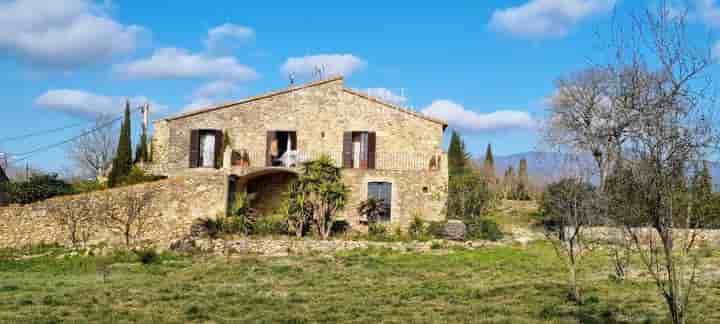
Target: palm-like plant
[[373, 209]]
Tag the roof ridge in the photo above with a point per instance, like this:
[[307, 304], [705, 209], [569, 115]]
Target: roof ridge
[[403, 109], [253, 98]]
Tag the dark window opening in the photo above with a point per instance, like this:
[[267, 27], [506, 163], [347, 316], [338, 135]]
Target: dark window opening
[[382, 191], [282, 148]]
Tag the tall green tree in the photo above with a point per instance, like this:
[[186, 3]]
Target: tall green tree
[[702, 195], [141, 151], [489, 164], [458, 158], [122, 164]]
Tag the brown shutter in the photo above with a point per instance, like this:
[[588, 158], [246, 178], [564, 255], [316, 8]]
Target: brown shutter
[[194, 148], [371, 150], [293, 138], [347, 155], [219, 149], [270, 138]]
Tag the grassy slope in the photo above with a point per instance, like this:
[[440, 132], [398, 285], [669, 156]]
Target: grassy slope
[[505, 284]]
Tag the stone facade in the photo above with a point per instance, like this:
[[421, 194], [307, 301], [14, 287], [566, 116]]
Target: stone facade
[[174, 205], [408, 151]]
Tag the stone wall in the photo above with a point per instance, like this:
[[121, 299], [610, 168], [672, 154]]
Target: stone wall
[[174, 205], [320, 114], [414, 193]]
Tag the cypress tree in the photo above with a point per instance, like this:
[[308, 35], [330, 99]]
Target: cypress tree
[[123, 158], [702, 191], [489, 165], [457, 157], [523, 181], [141, 151]]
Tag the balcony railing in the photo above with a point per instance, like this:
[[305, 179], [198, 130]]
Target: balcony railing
[[383, 161]]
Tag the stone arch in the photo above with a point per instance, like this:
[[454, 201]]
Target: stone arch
[[267, 187]]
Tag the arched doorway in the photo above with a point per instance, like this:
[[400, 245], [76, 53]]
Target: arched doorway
[[266, 188]]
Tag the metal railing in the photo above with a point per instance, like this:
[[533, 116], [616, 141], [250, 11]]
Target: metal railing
[[383, 160]]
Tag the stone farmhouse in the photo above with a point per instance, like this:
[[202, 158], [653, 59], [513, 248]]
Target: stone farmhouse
[[257, 145]]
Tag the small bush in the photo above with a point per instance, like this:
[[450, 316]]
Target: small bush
[[377, 231], [213, 227], [272, 225], [485, 229], [340, 227], [148, 256], [416, 230], [36, 188], [84, 186], [137, 176]]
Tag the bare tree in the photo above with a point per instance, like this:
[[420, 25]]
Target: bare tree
[[76, 219], [93, 153], [570, 206], [657, 86], [129, 213]]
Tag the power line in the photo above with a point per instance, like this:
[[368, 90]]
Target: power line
[[42, 132], [17, 157]]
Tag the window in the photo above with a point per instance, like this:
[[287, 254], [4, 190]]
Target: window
[[382, 190], [359, 150], [282, 148], [206, 148]]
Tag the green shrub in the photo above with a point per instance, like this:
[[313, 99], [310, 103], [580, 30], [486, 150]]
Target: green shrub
[[37, 188], [418, 230], [377, 231], [137, 176], [148, 256], [83, 186], [485, 229], [272, 225], [213, 227]]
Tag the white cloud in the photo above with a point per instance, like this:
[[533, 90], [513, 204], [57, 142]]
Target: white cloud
[[216, 89], [175, 63], [386, 95], [80, 102], [331, 64], [200, 102], [457, 116], [63, 34], [538, 19], [222, 36]]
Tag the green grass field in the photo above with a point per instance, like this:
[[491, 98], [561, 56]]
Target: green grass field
[[506, 284]]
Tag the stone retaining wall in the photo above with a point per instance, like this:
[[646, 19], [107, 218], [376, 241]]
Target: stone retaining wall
[[289, 246], [174, 204]]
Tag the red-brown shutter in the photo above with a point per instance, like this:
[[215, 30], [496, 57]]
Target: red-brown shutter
[[371, 150], [219, 148], [293, 139], [270, 138], [347, 154], [194, 153]]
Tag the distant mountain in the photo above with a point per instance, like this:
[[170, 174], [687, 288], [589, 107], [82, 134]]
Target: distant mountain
[[544, 167]]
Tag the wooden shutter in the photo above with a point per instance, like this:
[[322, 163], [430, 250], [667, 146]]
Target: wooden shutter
[[270, 139], [194, 148], [371, 150], [293, 139], [219, 148], [347, 154]]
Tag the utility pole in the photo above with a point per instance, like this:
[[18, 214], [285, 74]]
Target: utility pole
[[146, 112], [27, 171]]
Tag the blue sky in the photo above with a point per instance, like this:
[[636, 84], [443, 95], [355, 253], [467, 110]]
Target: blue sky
[[487, 66]]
